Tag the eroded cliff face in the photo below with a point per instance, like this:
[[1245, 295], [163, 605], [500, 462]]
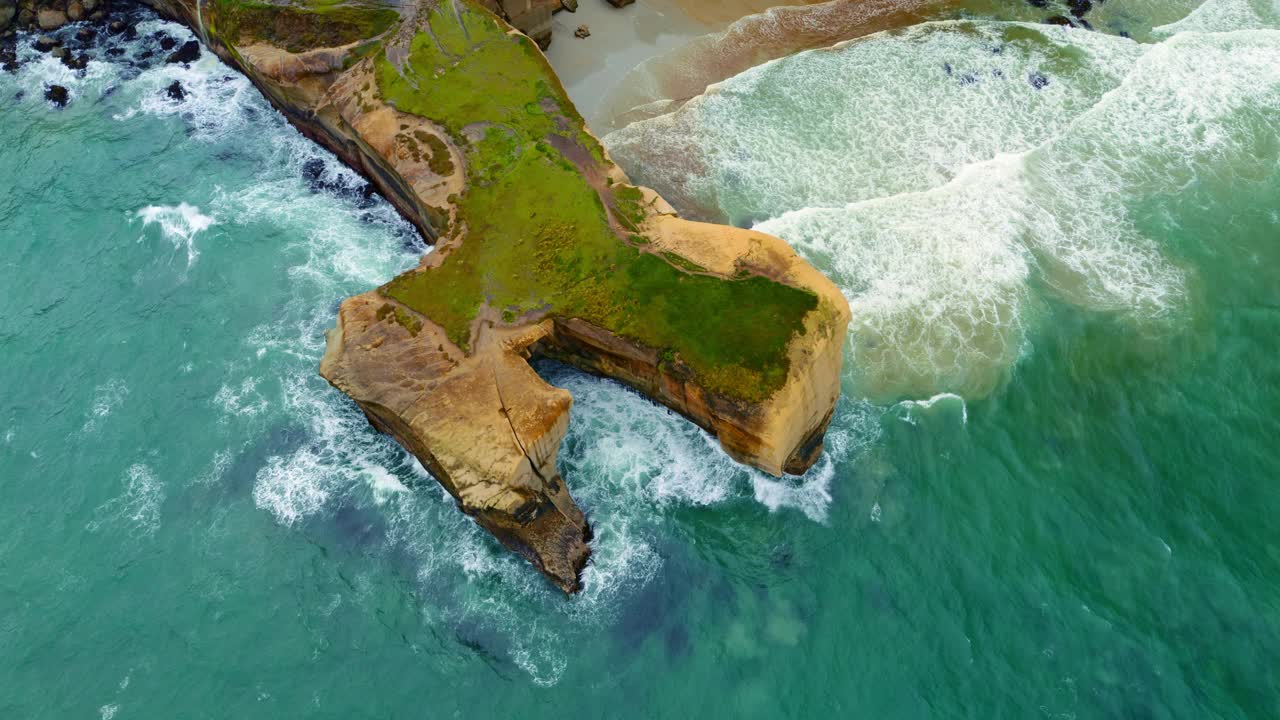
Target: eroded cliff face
[[542, 249]]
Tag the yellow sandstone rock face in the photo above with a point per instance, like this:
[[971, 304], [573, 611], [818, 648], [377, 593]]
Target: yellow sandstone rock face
[[458, 391]]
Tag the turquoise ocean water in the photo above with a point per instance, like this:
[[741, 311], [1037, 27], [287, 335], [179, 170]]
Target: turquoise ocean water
[[1048, 492]]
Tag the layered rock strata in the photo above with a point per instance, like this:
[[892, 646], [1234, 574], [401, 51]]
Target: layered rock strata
[[542, 249]]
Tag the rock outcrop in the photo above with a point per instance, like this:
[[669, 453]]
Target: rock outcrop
[[543, 248], [47, 14]]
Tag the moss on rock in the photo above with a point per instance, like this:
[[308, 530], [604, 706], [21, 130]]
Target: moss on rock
[[541, 237]]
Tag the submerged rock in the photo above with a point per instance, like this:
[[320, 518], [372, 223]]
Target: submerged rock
[[175, 91], [56, 94], [8, 60], [77, 62], [46, 43], [1079, 8]]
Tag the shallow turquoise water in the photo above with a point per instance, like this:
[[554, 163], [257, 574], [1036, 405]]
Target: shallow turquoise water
[[196, 525]]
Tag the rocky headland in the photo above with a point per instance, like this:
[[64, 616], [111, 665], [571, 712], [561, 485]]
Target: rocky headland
[[542, 249]]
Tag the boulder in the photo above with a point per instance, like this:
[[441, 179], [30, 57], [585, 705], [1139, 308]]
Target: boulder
[[189, 52], [56, 94], [49, 19], [86, 34], [175, 91], [570, 5], [75, 11], [76, 62], [8, 11], [46, 43]]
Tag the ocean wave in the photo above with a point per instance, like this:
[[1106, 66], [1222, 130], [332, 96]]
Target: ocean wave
[[179, 224], [949, 233]]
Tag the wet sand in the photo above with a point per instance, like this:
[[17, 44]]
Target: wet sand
[[649, 57], [621, 38]]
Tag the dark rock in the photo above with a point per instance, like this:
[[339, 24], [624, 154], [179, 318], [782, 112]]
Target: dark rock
[[77, 62], [1079, 7], [146, 55], [946, 68], [312, 170], [1037, 80], [1038, 3], [117, 27], [85, 34], [56, 94], [115, 52], [44, 43], [8, 60], [1059, 20], [167, 43], [175, 91], [189, 52]]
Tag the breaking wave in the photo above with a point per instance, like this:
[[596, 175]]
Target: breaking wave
[[946, 229], [305, 454]]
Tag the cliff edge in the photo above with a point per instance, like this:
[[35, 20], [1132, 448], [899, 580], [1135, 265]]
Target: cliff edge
[[543, 248]]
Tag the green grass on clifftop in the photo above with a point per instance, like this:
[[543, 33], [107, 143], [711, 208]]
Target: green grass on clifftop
[[538, 237], [303, 25]]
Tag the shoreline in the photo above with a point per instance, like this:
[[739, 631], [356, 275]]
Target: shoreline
[[624, 38]]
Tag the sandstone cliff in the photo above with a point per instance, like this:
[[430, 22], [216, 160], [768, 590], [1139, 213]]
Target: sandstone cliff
[[542, 249]]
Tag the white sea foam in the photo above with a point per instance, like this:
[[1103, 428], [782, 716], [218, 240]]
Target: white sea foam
[[106, 398], [828, 127], [137, 506], [940, 281], [180, 224], [1226, 16], [243, 400], [940, 401]]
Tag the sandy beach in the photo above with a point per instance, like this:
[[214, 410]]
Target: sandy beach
[[646, 58], [623, 38]]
